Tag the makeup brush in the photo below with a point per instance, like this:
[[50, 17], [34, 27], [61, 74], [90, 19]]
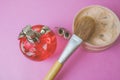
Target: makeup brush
[[82, 32]]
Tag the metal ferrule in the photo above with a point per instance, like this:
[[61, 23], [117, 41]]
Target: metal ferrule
[[72, 45]]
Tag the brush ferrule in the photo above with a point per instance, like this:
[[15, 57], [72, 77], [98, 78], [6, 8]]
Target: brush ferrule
[[73, 43]]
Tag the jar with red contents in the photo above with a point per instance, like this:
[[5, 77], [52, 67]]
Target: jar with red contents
[[37, 42]]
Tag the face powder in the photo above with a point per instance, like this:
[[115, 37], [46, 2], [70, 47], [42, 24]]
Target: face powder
[[107, 27]]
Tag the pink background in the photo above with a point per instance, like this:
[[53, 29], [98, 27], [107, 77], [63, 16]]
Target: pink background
[[15, 14]]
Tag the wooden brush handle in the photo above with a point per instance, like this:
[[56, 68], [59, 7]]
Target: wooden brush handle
[[53, 71]]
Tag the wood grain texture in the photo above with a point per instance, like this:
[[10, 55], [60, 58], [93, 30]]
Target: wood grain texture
[[53, 71]]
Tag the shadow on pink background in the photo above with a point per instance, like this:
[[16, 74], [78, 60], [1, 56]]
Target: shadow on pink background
[[83, 65]]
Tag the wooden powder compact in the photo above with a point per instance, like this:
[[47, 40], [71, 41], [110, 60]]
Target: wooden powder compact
[[107, 27]]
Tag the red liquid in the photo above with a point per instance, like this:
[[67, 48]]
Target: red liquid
[[39, 50]]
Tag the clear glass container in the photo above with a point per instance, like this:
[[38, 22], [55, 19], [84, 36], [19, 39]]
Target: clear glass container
[[41, 50]]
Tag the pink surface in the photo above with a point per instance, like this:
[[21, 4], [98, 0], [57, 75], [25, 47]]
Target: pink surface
[[83, 65]]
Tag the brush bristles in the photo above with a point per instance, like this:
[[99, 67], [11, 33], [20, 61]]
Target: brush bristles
[[85, 27]]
